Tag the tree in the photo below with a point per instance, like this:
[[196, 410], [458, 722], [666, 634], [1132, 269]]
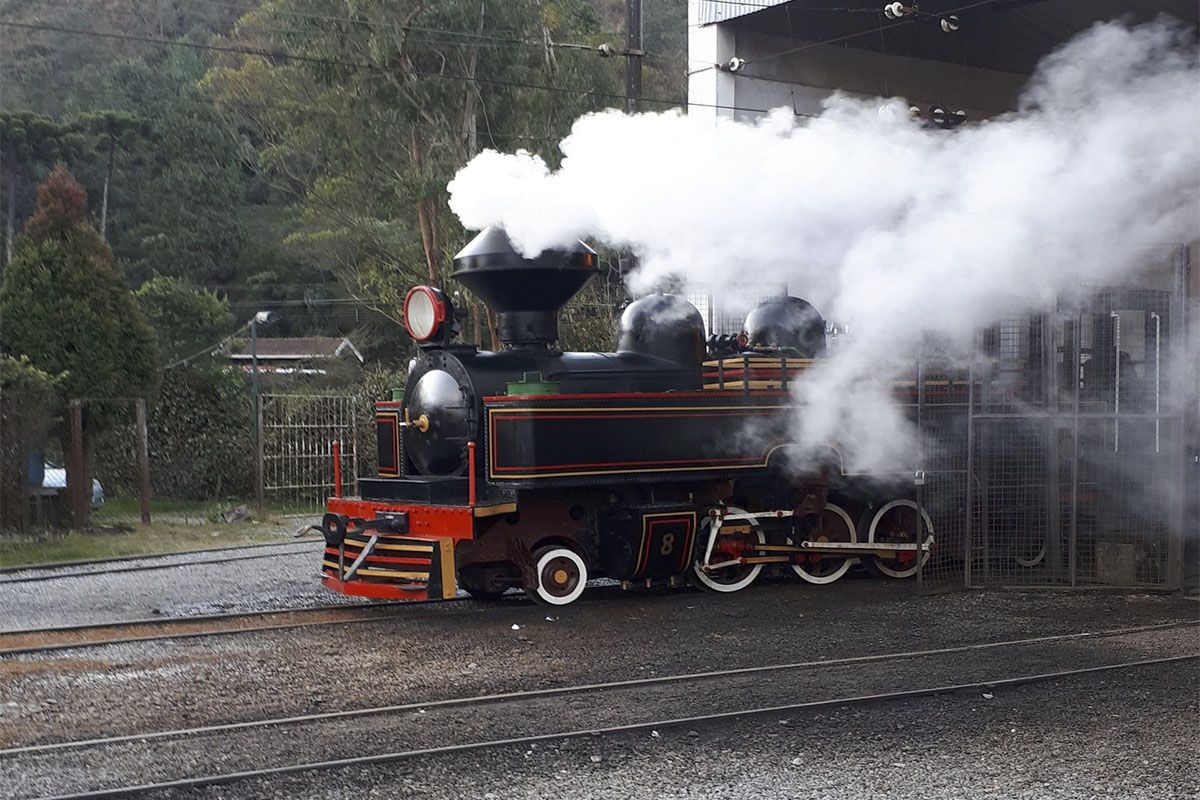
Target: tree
[[66, 308], [110, 133], [185, 318], [27, 141], [188, 212], [367, 132]]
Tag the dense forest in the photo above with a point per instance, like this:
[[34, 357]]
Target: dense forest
[[168, 168], [293, 154]]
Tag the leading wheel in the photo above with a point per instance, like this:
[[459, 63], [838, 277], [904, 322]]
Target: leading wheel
[[482, 582], [740, 540], [833, 524], [561, 576], [896, 523]]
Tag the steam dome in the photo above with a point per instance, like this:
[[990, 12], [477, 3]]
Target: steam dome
[[786, 323], [663, 325]]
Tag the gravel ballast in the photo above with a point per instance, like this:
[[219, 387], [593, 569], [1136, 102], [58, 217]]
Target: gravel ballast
[[447, 650]]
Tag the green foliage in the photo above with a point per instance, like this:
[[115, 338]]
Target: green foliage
[[29, 144], [201, 439], [186, 319], [313, 185], [29, 138], [188, 222], [65, 306], [29, 401], [107, 134], [366, 141]]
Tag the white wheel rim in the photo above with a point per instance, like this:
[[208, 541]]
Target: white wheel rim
[[879, 562], [845, 567], [707, 579], [573, 595]]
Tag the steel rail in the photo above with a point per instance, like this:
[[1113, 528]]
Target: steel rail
[[700, 719], [582, 688], [128, 623], [201, 618], [148, 567], [83, 562], [181, 621]]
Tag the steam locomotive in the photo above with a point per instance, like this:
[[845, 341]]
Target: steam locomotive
[[671, 459]]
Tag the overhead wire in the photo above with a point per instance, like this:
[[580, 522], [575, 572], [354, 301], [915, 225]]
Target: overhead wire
[[286, 56], [207, 350], [312, 110], [377, 25], [469, 38]]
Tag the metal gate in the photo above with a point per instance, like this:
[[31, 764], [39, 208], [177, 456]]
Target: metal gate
[[298, 434], [1066, 465]]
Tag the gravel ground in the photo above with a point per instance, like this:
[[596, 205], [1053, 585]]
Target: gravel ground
[[423, 653], [465, 648], [1126, 736], [286, 578], [131, 762]]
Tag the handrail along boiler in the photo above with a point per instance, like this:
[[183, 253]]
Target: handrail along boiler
[[535, 468]]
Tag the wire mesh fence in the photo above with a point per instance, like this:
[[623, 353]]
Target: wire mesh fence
[[1073, 448], [299, 434]]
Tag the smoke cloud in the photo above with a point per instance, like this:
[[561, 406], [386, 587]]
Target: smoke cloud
[[901, 230]]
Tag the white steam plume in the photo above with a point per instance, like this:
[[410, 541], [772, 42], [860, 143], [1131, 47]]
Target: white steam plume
[[903, 230]]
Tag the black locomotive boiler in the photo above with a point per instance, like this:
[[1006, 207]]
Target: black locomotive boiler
[[669, 459]]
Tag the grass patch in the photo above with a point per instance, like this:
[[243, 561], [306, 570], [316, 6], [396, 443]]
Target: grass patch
[[111, 541], [127, 509]]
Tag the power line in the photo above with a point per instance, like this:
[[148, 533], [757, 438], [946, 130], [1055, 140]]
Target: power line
[[205, 351], [281, 55], [312, 110], [384, 25], [470, 38]]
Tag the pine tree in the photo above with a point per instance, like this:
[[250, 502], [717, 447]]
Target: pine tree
[[65, 307]]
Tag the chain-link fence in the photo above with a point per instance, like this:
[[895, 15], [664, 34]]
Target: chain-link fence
[[1073, 446]]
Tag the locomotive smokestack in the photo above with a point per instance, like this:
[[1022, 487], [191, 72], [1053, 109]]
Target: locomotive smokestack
[[525, 293]]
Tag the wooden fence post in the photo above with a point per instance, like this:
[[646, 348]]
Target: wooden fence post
[[143, 460], [79, 489]]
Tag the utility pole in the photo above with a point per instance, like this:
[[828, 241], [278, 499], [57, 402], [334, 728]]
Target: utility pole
[[633, 54], [626, 260], [260, 318], [143, 460]]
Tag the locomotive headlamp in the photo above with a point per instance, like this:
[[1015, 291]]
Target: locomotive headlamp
[[425, 311]]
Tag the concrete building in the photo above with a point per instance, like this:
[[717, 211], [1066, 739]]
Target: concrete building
[[746, 57]]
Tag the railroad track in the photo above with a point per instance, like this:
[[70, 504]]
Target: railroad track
[[123, 564], [289, 734], [72, 637]]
